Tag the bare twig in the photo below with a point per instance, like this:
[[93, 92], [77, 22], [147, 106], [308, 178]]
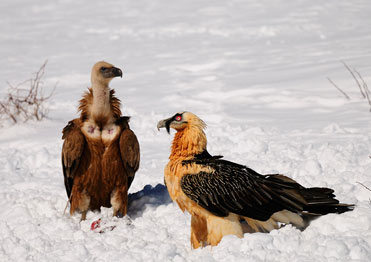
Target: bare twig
[[26, 103], [364, 186], [355, 78], [67, 204], [365, 88], [338, 88], [361, 83]]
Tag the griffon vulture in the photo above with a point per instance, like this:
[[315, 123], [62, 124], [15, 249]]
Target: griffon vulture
[[226, 198], [100, 153]]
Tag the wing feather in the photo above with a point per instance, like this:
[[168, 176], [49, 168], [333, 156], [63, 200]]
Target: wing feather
[[231, 187], [73, 146], [129, 149]]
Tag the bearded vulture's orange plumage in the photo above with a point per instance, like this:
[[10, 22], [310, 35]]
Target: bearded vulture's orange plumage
[[100, 153], [227, 198]]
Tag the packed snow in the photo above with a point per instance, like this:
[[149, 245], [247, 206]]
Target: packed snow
[[255, 71]]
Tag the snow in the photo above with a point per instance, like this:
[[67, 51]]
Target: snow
[[254, 71]]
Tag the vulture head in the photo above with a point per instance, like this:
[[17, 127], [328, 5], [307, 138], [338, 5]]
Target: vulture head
[[103, 72], [181, 121]]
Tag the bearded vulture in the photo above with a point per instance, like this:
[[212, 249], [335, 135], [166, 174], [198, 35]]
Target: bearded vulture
[[100, 153], [226, 198]]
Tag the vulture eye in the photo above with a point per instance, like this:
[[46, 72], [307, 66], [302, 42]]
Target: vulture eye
[[102, 69], [178, 118]]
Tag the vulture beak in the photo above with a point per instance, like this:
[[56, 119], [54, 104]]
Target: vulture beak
[[111, 72], [165, 123], [117, 71]]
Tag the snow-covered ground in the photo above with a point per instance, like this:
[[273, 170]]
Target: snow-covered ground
[[254, 70]]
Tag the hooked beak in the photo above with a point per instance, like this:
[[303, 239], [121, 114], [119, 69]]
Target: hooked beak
[[111, 72], [117, 71], [165, 123]]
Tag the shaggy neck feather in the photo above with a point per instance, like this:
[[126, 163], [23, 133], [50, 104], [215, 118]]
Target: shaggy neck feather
[[188, 142]]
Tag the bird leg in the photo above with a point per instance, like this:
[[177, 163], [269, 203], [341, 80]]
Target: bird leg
[[198, 231], [80, 201], [217, 227], [119, 201], [83, 215]]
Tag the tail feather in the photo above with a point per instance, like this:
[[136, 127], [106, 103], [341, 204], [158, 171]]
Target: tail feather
[[323, 209], [299, 205], [322, 201], [314, 201]]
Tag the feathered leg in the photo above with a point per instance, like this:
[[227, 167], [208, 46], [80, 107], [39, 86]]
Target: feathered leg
[[79, 201], [119, 201], [217, 227], [198, 231]]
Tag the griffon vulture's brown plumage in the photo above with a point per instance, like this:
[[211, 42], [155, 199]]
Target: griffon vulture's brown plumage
[[227, 198], [100, 152]]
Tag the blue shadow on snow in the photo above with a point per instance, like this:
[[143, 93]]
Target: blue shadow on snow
[[148, 197]]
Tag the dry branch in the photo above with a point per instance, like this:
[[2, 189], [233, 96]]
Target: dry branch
[[365, 88], [364, 186], [25, 103], [355, 78], [338, 88]]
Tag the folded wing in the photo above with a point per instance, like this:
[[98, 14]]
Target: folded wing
[[129, 149], [236, 188], [73, 147]]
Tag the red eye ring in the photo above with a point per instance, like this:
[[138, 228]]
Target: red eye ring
[[178, 118]]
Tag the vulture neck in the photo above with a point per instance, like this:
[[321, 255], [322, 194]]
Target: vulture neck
[[188, 142], [101, 107]]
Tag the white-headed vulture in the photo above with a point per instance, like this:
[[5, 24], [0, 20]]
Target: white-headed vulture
[[100, 153], [226, 198]]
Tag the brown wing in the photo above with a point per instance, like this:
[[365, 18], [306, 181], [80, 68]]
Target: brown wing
[[129, 149], [73, 146]]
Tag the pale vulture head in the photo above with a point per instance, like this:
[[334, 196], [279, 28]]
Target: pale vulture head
[[102, 73]]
